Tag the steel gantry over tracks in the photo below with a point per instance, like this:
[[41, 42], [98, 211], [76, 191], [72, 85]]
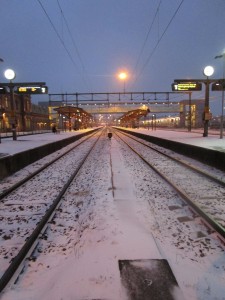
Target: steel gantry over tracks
[[121, 103], [151, 97]]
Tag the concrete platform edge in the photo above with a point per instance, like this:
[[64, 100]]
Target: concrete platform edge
[[13, 163], [210, 157]]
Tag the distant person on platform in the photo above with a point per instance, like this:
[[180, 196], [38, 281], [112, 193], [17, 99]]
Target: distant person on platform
[[54, 129]]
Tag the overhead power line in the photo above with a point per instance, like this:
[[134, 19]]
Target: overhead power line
[[71, 36], [58, 35], [144, 44], [159, 40]]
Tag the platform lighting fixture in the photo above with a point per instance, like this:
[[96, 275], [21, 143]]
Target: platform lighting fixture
[[208, 71], [222, 112], [10, 75], [123, 76]]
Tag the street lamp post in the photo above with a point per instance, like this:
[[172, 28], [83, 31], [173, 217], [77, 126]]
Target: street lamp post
[[208, 71], [1, 60], [222, 111], [10, 75], [190, 113], [122, 76]]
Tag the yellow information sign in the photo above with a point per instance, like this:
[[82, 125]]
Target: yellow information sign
[[32, 90], [186, 86]]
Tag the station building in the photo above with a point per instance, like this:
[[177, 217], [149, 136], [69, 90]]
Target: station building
[[26, 116], [69, 116], [190, 115], [182, 113]]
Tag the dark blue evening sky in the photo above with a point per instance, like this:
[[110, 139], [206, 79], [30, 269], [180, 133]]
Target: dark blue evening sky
[[81, 45]]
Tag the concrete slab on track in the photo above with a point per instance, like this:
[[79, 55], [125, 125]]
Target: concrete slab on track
[[149, 279]]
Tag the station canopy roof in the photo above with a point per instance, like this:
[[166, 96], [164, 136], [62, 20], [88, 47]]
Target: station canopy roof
[[134, 115], [70, 111]]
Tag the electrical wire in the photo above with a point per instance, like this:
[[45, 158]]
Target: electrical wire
[[157, 44], [59, 37], [145, 41], [73, 41]]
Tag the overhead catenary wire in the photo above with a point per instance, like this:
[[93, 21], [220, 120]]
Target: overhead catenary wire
[[147, 36], [157, 44], [58, 35], [72, 39]]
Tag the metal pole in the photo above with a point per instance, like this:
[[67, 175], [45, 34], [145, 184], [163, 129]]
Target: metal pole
[[69, 120], [13, 117], [1, 60], [206, 110], [190, 114], [77, 104], [222, 111]]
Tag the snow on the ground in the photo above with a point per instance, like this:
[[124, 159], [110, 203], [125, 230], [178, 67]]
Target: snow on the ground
[[25, 142], [212, 141], [109, 231], [113, 225]]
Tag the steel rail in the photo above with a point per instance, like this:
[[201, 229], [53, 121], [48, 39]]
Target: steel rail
[[181, 162], [19, 258], [209, 221], [30, 176]]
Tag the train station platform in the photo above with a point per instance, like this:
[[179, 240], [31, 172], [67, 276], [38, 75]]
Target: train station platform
[[16, 154], [137, 264], [209, 150], [25, 142], [195, 138], [38, 145]]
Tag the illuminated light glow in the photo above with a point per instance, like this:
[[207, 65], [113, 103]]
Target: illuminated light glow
[[22, 89], [122, 75], [187, 86], [32, 90], [208, 71], [9, 74]]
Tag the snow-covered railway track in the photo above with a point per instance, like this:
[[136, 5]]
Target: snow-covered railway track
[[203, 192], [118, 212], [25, 208], [12, 183]]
